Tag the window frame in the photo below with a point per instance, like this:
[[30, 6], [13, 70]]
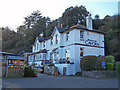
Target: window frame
[[51, 41], [56, 36], [44, 44], [67, 36], [81, 35], [81, 51]]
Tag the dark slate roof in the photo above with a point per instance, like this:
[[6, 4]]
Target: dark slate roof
[[42, 38], [11, 54], [61, 30], [41, 51]]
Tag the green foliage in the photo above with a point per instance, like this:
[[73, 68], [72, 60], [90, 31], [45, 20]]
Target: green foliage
[[29, 72], [88, 63], [34, 24], [100, 59], [109, 66], [74, 15], [117, 67], [109, 59], [55, 69]]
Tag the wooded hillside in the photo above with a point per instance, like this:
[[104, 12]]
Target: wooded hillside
[[35, 23]]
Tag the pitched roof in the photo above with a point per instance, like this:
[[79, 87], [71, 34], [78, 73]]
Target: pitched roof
[[78, 26], [41, 51], [62, 30], [43, 38]]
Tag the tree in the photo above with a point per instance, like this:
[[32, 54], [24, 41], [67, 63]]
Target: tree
[[96, 22], [32, 19], [74, 15]]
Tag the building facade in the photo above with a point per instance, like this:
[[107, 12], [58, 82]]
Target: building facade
[[66, 46]]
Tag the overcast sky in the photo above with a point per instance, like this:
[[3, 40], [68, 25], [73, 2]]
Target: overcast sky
[[12, 12]]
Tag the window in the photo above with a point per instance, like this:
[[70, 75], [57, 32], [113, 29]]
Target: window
[[87, 33], [81, 35], [56, 56], [44, 56], [56, 39], [68, 54], [40, 56], [51, 41], [67, 36], [37, 46], [44, 44], [81, 52]]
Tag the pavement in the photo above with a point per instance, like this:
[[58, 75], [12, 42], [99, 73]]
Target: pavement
[[50, 81]]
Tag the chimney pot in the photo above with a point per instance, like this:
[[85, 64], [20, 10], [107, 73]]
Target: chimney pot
[[89, 22]]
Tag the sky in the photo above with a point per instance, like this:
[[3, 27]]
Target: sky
[[12, 12]]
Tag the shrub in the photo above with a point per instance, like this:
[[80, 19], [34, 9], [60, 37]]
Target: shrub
[[109, 59], [88, 63], [55, 69], [117, 67], [109, 66], [29, 72], [100, 59]]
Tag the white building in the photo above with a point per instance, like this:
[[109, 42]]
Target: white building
[[68, 45]]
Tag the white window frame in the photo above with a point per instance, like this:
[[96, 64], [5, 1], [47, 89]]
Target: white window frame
[[82, 36]]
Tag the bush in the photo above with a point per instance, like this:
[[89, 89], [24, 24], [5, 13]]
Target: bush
[[88, 63], [100, 59], [117, 67], [28, 72], [55, 69], [109, 66], [109, 59]]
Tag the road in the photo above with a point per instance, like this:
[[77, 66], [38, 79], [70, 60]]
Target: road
[[49, 81]]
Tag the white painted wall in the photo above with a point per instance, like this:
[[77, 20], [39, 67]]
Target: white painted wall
[[74, 37], [70, 70]]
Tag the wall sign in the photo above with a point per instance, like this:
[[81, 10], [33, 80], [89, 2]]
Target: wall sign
[[103, 64], [16, 63], [91, 42]]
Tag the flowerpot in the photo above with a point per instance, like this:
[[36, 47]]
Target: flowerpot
[[35, 74], [68, 61], [56, 73]]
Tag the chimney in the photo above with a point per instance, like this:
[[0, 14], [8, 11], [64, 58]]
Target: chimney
[[89, 22]]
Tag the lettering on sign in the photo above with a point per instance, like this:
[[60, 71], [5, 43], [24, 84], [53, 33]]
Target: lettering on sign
[[91, 42]]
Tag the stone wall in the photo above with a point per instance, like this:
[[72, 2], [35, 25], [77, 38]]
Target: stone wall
[[12, 72], [102, 73]]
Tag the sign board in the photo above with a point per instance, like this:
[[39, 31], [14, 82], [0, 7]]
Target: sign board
[[91, 42], [103, 64], [19, 64]]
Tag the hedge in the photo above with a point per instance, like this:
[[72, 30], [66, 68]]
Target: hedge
[[109, 66], [109, 59], [100, 59], [88, 63], [29, 72], [117, 67]]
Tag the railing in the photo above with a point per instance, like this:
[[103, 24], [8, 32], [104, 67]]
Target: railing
[[64, 61]]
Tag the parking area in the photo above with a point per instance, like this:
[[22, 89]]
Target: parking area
[[49, 81]]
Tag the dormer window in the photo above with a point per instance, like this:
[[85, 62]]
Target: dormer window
[[37, 46], [51, 41], [67, 36], [81, 35], [44, 44], [56, 39]]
